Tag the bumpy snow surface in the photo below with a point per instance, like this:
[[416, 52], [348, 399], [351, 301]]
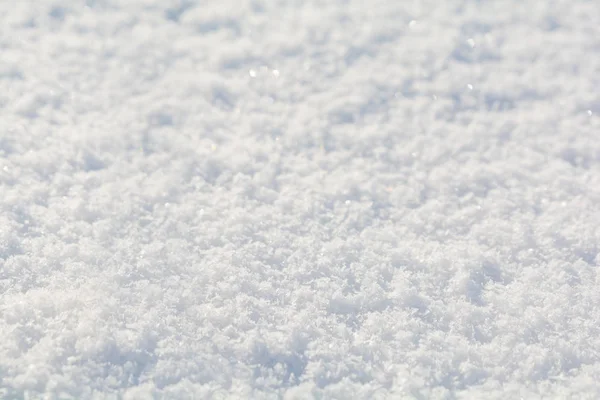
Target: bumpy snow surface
[[336, 199]]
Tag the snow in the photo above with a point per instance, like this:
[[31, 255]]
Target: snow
[[299, 199]]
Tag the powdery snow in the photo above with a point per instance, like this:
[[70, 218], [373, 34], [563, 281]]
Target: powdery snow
[[299, 199]]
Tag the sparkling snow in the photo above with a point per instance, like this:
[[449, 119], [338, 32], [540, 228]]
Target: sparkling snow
[[339, 199]]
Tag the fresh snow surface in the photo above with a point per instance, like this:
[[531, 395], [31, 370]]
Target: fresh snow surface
[[297, 199]]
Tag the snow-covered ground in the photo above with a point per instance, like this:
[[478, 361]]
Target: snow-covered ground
[[299, 199]]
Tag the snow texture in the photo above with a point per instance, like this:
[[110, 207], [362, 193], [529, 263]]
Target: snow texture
[[299, 199]]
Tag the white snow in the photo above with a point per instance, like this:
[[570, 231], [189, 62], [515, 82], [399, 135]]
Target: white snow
[[299, 199]]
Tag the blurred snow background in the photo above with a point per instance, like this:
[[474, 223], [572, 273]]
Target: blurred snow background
[[299, 199]]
